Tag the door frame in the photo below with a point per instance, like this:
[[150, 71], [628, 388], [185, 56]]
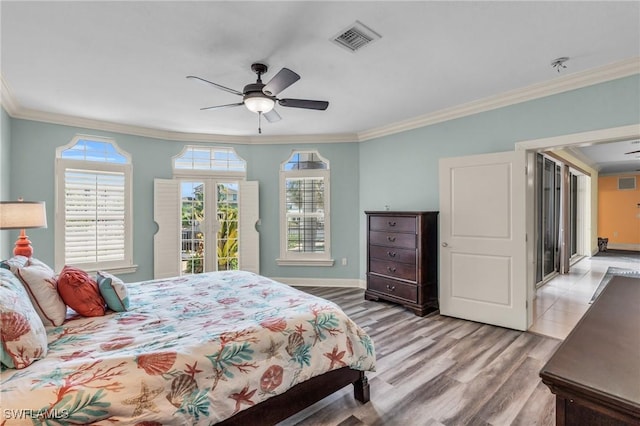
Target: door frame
[[613, 134]]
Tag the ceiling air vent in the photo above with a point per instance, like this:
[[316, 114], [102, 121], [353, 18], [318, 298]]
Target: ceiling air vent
[[627, 183], [355, 37]]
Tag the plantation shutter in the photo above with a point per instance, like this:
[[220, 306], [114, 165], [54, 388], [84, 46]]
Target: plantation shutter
[[166, 242], [249, 236], [94, 218]]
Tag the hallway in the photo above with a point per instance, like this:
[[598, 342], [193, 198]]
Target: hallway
[[561, 302]]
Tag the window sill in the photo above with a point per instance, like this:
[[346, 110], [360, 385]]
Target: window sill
[[305, 262], [116, 270]]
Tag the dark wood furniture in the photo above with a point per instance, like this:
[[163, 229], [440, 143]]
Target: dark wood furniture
[[595, 372], [301, 396], [402, 259]]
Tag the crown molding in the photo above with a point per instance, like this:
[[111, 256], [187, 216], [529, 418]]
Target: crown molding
[[562, 84], [46, 117], [6, 98]]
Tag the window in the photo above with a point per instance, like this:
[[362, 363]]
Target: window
[[93, 198], [304, 211]]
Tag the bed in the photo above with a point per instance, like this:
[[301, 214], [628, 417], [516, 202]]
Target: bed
[[227, 347]]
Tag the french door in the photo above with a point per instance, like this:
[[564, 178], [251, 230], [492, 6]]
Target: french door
[[205, 225], [209, 226]]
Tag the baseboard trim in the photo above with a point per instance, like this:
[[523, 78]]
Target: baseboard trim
[[623, 246], [322, 282]]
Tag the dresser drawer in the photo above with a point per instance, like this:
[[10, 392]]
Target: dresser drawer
[[393, 269], [392, 223], [408, 292], [391, 239], [392, 253]]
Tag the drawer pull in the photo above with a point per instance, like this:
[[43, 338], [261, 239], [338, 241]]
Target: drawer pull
[[391, 239], [391, 287], [391, 253], [391, 223], [390, 269]]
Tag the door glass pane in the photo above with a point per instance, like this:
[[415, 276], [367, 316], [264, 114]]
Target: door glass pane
[[556, 240], [192, 236], [548, 217], [573, 217], [539, 216], [227, 238]]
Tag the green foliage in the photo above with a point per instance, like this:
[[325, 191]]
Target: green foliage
[[227, 249]]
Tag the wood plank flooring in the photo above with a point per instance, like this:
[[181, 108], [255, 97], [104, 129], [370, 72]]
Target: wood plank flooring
[[438, 371]]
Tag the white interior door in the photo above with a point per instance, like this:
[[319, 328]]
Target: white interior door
[[483, 270]]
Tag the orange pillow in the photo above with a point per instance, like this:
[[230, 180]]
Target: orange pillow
[[80, 292]]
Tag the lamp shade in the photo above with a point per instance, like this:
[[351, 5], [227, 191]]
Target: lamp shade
[[257, 102], [22, 214]]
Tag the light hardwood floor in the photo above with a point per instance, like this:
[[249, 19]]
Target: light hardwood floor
[[438, 371], [445, 371]]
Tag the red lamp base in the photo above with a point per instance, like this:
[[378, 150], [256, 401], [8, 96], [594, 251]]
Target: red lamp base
[[23, 246]]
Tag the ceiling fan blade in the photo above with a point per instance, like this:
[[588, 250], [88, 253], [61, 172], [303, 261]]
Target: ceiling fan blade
[[280, 81], [304, 103], [222, 106], [226, 89], [272, 116]]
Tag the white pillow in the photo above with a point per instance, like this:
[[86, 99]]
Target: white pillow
[[40, 282], [14, 263], [24, 338]]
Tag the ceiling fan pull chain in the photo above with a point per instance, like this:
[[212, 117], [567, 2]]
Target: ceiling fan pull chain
[[259, 122]]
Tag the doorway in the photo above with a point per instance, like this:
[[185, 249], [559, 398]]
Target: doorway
[[532, 147]]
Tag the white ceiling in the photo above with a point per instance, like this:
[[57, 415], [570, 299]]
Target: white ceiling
[[126, 62]]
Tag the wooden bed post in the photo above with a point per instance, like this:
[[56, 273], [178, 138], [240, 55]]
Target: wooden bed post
[[361, 388]]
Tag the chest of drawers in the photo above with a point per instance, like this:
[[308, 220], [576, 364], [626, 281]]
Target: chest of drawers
[[402, 259]]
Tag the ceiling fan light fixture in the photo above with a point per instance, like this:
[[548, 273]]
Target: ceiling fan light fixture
[[258, 103]]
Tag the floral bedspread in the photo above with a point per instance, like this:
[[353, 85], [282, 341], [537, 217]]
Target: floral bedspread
[[191, 350]]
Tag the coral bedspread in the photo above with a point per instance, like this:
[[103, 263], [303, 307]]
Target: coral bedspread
[[191, 350]]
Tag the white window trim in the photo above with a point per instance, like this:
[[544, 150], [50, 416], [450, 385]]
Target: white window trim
[[288, 258], [62, 164], [180, 173]]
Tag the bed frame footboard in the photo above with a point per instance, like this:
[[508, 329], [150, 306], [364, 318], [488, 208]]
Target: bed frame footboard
[[301, 396]]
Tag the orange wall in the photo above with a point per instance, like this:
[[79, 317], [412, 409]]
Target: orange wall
[[618, 211]]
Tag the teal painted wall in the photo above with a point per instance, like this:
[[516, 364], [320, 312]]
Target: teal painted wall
[[399, 170], [35, 143], [5, 189]]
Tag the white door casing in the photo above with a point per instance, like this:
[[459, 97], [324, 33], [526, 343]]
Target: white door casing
[[483, 267]]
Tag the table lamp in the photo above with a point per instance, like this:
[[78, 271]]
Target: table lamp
[[22, 215]]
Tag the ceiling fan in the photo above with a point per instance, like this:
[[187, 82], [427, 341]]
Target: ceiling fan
[[261, 98]]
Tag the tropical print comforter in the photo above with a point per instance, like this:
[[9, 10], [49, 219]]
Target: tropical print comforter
[[190, 351]]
